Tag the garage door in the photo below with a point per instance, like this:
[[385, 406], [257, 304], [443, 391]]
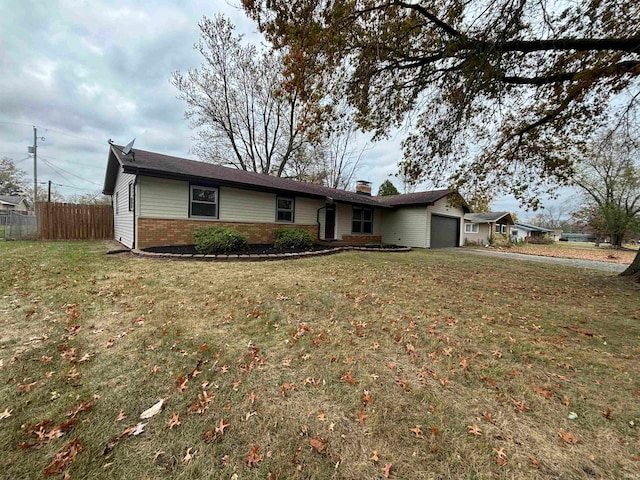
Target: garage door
[[445, 231]]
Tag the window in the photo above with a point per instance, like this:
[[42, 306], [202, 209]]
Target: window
[[131, 196], [470, 228], [504, 229], [284, 209], [362, 221], [204, 201], [116, 202]]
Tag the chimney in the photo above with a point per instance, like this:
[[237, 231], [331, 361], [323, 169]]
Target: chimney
[[363, 187]]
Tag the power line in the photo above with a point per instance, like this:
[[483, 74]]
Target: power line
[[55, 169], [70, 173]]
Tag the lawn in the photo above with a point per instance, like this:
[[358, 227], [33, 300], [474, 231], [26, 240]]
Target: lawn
[[358, 366], [577, 250]]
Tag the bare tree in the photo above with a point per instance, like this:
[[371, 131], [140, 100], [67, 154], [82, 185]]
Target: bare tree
[[246, 114]]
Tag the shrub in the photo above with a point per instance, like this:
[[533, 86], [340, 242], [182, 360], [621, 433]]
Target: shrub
[[540, 241], [210, 240], [293, 238]]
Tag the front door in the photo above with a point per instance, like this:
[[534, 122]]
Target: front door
[[330, 223]]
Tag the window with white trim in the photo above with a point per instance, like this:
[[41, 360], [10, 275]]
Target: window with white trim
[[204, 201], [362, 220], [284, 209], [470, 228]]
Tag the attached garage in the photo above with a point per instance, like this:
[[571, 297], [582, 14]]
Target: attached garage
[[445, 231]]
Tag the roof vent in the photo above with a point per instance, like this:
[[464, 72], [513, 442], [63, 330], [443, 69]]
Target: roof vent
[[363, 187]]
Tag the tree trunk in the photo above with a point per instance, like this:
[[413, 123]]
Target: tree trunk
[[634, 268]]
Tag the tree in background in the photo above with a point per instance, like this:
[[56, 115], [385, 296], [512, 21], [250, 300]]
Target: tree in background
[[387, 188], [13, 181], [246, 115], [92, 198], [554, 217], [609, 179], [333, 160], [496, 92]]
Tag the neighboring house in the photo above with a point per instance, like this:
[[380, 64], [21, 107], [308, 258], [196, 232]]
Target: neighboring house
[[524, 231], [580, 237], [161, 200], [480, 227], [9, 203]]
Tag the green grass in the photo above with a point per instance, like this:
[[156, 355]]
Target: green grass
[[288, 348]]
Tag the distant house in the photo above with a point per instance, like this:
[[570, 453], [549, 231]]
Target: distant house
[[9, 203], [161, 200], [524, 231], [479, 227], [580, 237]]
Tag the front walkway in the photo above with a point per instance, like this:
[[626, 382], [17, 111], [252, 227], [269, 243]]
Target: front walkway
[[571, 262]]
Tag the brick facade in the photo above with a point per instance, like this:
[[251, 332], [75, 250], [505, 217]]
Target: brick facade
[[361, 239], [156, 232]]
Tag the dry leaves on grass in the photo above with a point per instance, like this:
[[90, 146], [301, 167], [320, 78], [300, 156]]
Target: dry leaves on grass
[[131, 431], [174, 421], [253, 458], [319, 444], [6, 413], [64, 457], [474, 430], [568, 437]]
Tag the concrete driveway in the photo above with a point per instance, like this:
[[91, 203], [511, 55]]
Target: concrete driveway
[[571, 262]]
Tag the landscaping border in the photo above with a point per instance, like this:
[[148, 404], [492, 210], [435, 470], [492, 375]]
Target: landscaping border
[[260, 257]]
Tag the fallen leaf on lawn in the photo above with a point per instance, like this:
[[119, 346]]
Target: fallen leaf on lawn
[[318, 443], [500, 453], [121, 416], [174, 421], [488, 417], [221, 426], [417, 431], [331, 426], [82, 407], [182, 383], [535, 463], [188, 457], [362, 416], [606, 413], [474, 430], [366, 398], [253, 458], [386, 470], [154, 410], [64, 457], [568, 437], [348, 377], [131, 431], [139, 428], [6, 413], [375, 455]]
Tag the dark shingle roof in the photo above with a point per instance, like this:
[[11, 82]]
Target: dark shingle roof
[[485, 217], [141, 162], [417, 198], [156, 164]]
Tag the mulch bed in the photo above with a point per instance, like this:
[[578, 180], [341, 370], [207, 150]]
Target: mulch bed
[[258, 249]]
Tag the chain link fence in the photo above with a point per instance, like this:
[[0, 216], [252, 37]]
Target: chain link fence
[[15, 226]]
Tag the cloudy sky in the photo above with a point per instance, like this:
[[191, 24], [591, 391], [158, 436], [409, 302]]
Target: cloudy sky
[[84, 72]]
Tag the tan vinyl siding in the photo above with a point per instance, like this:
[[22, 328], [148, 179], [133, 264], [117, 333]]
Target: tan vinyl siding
[[123, 220], [442, 207], [307, 210], [163, 198], [343, 220], [482, 235], [238, 205], [406, 226], [344, 216]]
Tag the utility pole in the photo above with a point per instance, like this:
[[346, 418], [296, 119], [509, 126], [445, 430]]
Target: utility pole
[[49, 196], [35, 166]]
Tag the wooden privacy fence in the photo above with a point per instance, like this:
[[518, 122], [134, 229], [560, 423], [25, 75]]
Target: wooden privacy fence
[[66, 221]]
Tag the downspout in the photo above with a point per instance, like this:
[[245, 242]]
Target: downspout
[[135, 207]]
